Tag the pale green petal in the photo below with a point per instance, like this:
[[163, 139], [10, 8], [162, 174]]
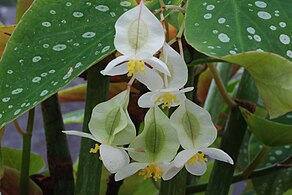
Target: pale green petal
[[197, 169], [151, 79], [113, 63], [194, 126], [217, 154], [145, 101], [158, 138], [113, 158], [170, 172], [108, 118], [182, 157], [158, 65], [81, 134], [177, 67], [137, 31], [129, 170], [118, 70]]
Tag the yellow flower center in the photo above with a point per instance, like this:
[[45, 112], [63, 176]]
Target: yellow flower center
[[151, 171], [167, 99], [135, 66], [199, 157], [95, 149]]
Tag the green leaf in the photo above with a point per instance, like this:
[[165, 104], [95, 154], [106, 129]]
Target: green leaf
[[269, 132], [54, 42], [12, 158], [158, 140], [74, 117], [273, 78], [275, 183], [219, 28]]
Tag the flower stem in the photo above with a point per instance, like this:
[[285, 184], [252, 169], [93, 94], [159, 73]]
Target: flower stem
[[204, 61], [221, 86], [240, 176], [221, 176], [18, 128], [97, 91], [265, 149], [59, 159], [26, 146]]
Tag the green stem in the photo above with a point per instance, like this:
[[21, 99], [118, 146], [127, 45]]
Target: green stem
[[240, 177], [24, 174], [221, 87], [221, 176], [89, 168], [265, 149], [59, 159], [214, 102]]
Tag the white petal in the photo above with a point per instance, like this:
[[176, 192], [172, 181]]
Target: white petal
[[137, 31], [197, 169], [113, 158], [151, 79], [183, 156], [158, 65], [177, 67], [217, 154], [81, 134], [118, 70], [170, 172], [145, 101], [186, 89], [129, 170], [114, 63]]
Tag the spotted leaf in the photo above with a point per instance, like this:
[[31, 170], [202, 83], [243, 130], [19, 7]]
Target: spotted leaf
[[53, 43], [218, 28]]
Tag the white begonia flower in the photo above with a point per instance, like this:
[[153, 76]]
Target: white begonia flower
[[171, 93], [139, 35], [110, 125], [153, 148], [196, 132]]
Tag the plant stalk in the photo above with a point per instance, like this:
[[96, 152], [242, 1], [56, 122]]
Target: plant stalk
[[221, 176], [59, 159], [26, 146], [89, 168]]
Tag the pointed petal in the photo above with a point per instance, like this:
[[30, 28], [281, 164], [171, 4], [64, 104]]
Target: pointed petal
[[138, 30], [145, 101], [118, 70], [129, 170], [197, 169], [113, 63], [177, 67], [151, 79], [183, 156], [81, 134], [113, 158], [158, 65], [217, 154], [185, 90], [170, 172]]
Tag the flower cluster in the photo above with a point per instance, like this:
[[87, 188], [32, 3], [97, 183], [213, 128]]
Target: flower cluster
[[139, 36]]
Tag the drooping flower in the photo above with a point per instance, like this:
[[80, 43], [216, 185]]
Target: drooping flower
[[110, 125], [139, 35], [171, 94], [153, 148], [196, 133]]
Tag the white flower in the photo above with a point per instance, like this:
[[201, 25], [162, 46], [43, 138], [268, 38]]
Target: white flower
[[139, 35], [196, 133], [171, 93], [153, 148], [110, 125]]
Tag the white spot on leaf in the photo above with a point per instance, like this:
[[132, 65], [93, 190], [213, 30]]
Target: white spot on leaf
[[17, 91], [36, 59], [221, 20], [260, 4], [44, 92], [59, 47], [251, 30], [46, 24], [285, 39], [89, 35], [36, 79], [223, 38], [78, 14], [264, 15], [102, 8], [208, 16], [125, 3]]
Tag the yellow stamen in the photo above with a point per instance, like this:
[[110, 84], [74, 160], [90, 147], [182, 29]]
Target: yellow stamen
[[167, 99], [151, 171], [135, 66], [95, 149], [199, 157]]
